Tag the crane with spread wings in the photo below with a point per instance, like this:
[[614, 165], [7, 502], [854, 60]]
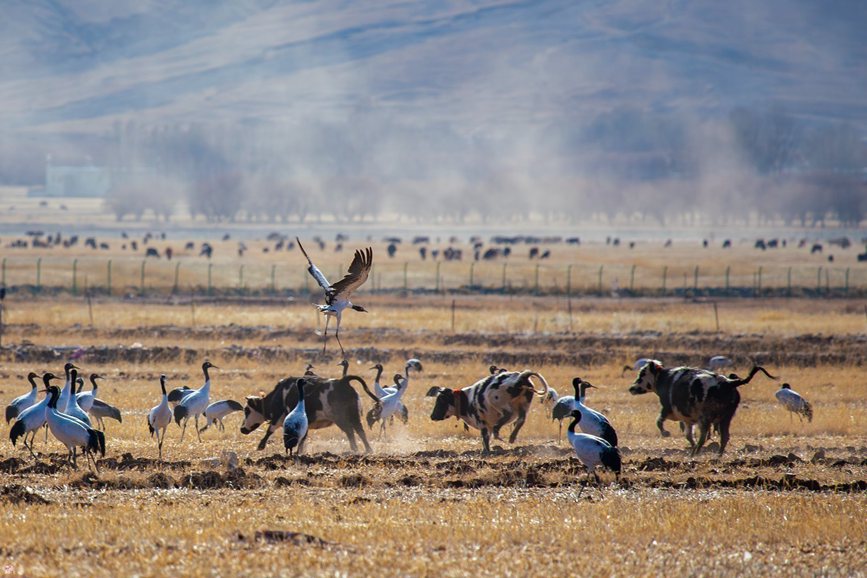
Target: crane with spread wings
[[337, 295]]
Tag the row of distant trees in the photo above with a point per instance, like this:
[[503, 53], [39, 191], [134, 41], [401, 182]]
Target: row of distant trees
[[763, 165]]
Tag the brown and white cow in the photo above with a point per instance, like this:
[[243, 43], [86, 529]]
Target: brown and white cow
[[693, 396], [326, 401], [490, 403]]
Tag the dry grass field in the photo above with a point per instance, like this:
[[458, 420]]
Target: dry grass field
[[787, 498]]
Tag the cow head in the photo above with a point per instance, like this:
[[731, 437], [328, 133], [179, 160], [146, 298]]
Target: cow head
[[254, 413], [444, 406], [646, 380]]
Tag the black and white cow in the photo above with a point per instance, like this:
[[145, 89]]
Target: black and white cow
[[326, 401], [490, 403], [693, 396]]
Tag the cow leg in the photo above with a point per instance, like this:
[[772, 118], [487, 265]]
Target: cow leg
[[360, 431], [724, 435], [519, 423], [687, 429], [486, 441], [271, 429], [659, 421], [703, 428], [348, 430]]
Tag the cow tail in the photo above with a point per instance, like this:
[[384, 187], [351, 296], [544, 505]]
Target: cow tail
[[529, 374], [350, 378], [753, 372]]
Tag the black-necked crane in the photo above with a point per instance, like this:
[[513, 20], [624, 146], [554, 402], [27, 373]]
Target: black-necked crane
[[337, 295], [593, 451], [195, 403], [345, 365], [179, 393], [215, 413], [794, 402], [72, 408], [159, 417], [73, 433], [68, 387], [718, 362], [101, 410], [22, 402], [592, 422], [295, 424], [85, 398], [32, 418]]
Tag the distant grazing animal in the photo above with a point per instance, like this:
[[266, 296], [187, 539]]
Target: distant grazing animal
[[727, 244], [490, 403], [152, 252], [760, 244], [693, 396], [816, 248], [215, 413], [327, 402], [794, 402]]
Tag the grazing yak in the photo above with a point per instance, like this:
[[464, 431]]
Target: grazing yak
[[326, 401], [490, 403], [693, 396]]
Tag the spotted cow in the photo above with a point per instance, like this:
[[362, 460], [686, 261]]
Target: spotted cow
[[694, 397], [490, 403], [326, 401]]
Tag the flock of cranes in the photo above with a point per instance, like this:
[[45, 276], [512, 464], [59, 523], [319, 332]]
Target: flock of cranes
[[67, 413]]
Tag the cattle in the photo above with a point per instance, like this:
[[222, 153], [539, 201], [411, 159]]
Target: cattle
[[90, 242], [326, 401], [152, 252], [693, 396], [816, 248], [727, 244], [490, 403]]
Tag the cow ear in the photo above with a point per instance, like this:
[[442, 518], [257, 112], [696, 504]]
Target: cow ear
[[655, 367], [434, 391]]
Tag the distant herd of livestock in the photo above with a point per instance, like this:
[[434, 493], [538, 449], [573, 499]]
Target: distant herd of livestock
[[695, 397], [498, 246]]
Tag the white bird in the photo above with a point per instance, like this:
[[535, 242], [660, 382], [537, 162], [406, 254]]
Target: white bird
[[550, 399], [22, 402], [32, 418], [85, 398], [68, 387], [377, 387], [639, 363], [73, 433], [792, 401], [100, 410], [392, 403], [592, 422], [159, 417], [295, 424], [215, 413], [593, 451], [718, 362], [337, 295], [72, 408], [195, 403]]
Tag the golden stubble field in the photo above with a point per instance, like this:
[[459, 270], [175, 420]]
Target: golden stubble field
[[786, 498]]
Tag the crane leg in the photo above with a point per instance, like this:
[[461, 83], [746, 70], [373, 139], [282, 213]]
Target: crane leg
[[198, 434], [325, 335], [184, 430], [337, 335]]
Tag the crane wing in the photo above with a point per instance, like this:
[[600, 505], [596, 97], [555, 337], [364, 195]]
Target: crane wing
[[359, 269], [314, 270]]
